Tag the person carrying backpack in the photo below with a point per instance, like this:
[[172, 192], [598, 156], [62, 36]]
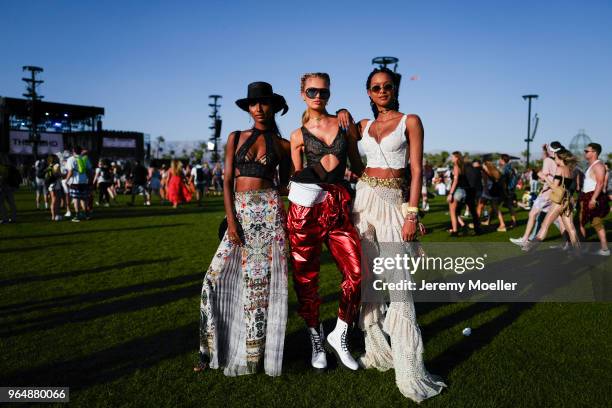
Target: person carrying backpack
[[79, 168], [201, 177]]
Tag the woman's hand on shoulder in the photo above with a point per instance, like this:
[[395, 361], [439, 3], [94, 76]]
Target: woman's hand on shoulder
[[344, 118]]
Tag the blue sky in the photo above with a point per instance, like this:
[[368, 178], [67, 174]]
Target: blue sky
[[153, 64]]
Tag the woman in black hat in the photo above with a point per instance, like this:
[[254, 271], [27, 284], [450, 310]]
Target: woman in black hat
[[243, 308]]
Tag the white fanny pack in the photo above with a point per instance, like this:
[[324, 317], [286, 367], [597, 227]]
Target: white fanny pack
[[306, 195]]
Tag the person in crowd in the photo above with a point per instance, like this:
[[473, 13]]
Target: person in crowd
[[139, 182], [10, 180], [560, 206], [56, 190], [386, 220], [319, 212], [200, 176], [243, 307], [79, 168], [493, 191], [510, 181], [177, 190], [473, 191], [542, 202], [217, 178], [593, 201], [40, 167], [428, 174], [457, 194], [163, 189], [103, 181], [154, 185]]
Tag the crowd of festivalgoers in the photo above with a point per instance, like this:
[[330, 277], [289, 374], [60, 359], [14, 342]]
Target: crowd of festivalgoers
[[70, 186], [555, 194]]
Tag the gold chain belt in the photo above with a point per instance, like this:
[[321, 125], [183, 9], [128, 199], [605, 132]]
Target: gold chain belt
[[382, 182]]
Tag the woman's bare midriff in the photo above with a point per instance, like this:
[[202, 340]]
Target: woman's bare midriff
[[251, 183], [385, 173]]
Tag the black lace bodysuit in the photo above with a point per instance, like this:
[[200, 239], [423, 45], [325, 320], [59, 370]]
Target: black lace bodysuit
[[315, 150]]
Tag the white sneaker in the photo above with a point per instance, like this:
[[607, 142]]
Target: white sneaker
[[517, 241], [68, 214], [319, 359], [603, 252], [336, 343]]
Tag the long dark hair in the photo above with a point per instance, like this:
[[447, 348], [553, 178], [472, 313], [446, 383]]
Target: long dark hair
[[394, 105]]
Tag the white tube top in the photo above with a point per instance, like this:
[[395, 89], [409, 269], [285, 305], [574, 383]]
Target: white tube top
[[391, 153]]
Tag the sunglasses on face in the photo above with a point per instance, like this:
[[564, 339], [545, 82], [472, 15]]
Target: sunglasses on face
[[312, 93], [386, 87], [588, 151]]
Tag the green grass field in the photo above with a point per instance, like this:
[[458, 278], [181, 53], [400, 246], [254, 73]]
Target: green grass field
[[109, 307]]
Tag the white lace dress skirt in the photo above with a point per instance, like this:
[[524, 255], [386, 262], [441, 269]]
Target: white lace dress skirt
[[243, 307], [378, 218]]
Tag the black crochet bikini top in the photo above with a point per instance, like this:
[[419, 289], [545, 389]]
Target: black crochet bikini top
[[263, 167], [315, 149]]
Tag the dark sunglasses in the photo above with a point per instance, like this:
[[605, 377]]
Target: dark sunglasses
[[378, 88], [312, 93], [588, 151]]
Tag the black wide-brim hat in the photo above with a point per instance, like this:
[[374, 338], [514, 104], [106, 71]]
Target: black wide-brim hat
[[263, 90]]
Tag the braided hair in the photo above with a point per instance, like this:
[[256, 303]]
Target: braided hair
[[394, 105]]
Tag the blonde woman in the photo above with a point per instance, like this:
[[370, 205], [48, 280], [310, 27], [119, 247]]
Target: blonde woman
[[457, 193], [319, 213], [385, 223], [563, 209], [177, 190]]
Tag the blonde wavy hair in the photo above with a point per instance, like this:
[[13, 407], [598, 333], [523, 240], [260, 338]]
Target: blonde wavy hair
[[305, 77]]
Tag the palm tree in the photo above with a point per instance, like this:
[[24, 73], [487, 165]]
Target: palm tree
[[160, 141]]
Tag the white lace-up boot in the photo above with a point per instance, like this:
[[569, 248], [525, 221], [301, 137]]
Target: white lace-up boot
[[319, 359], [336, 343]]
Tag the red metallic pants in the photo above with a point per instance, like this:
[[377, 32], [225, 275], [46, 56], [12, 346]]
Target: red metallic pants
[[329, 222]]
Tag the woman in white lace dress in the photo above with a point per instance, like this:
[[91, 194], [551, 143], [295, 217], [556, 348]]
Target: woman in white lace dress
[[386, 223]]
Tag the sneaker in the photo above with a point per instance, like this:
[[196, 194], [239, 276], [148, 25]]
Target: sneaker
[[317, 339], [501, 229], [336, 343], [68, 214], [75, 219], [517, 241], [603, 252]]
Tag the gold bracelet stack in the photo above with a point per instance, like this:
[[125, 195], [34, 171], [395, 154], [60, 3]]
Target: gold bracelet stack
[[382, 182]]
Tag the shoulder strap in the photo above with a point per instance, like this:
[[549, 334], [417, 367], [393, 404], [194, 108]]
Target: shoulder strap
[[236, 139]]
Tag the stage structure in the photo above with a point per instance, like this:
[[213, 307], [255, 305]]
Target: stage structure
[[33, 99], [216, 126], [536, 119]]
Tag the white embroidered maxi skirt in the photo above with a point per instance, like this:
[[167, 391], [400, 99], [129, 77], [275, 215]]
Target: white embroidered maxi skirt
[[378, 218]]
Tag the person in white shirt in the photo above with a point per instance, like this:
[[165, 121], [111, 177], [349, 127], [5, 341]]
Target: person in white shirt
[[594, 205], [79, 168], [200, 177]]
